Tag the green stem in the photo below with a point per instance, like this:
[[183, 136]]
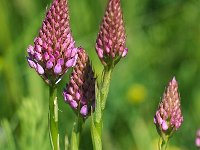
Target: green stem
[[96, 129], [53, 118], [101, 98], [76, 133], [105, 85], [163, 144]]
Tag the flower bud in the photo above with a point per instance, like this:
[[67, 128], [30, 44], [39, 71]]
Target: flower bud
[[80, 92], [111, 40], [168, 117]]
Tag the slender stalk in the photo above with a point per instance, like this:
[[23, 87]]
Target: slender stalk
[[76, 133], [96, 123], [53, 118], [96, 129], [163, 144], [105, 85], [101, 98]]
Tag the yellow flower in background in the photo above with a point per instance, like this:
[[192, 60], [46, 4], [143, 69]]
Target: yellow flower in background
[[137, 93]]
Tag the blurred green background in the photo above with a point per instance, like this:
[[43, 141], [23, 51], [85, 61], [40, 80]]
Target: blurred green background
[[163, 37]]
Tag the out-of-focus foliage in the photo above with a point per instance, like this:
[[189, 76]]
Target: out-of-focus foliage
[[163, 38]]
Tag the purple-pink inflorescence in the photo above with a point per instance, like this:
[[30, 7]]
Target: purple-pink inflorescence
[[168, 117], [111, 40], [54, 49], [197, 141], [80, 92]]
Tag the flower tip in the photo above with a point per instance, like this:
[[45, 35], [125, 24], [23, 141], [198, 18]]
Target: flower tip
[[174, 80]]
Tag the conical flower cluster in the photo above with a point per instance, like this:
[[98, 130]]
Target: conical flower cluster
[[111, 40], [54, 49], [80, 92], [197, 141], [168, 117]]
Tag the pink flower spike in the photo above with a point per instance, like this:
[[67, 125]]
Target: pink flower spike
[[169, 110], [111, 39], [53, 43], [81, 87]]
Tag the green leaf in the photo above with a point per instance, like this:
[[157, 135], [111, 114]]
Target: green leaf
[[96, 139], [98, 115]]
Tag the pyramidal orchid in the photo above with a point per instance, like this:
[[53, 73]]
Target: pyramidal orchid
[[111, 40], [110, 48], [52, 54], [168, 116], [54, 51], [80, 94]]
